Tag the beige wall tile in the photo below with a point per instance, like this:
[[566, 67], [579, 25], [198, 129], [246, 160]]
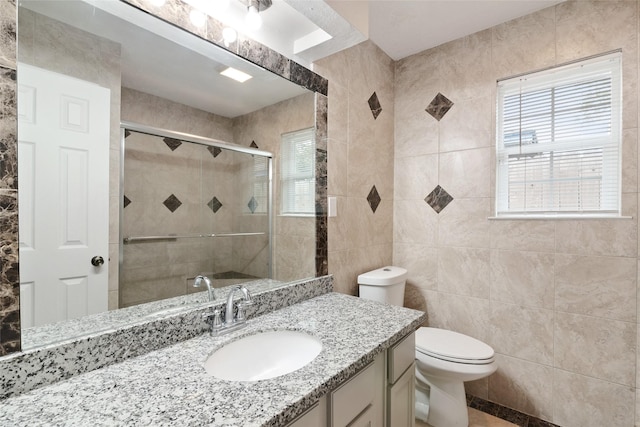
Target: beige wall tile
[[371, 70], [587, 28], [472, 52], [343, 278], [464, 223], [520, 235], [580, 401], [478, 388], [630, 161], [369, 258], [419, 177], [467, 315], [607, 237], [596, 347], [524, 44], [416, 84], [338, 114], [522, 332], [421, 262], [339, 227], [467, 124], [414, 221], [523, 278], [522, 385], [337, 163], [465, 173], [596, 286], [367, 228], [464, 271]]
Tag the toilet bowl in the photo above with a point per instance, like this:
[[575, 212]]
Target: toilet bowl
[[444, 359]]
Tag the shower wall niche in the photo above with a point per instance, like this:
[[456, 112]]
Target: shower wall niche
[[191, 208]]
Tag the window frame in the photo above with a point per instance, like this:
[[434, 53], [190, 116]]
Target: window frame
[[586, 71], [289, 178]]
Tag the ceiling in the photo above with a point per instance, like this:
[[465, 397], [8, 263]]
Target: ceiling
[[402, 28], [399, 27]]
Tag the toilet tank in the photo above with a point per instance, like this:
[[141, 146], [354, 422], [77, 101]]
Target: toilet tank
[[385, 284]]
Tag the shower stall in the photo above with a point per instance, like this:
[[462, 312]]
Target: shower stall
[[191, 206]]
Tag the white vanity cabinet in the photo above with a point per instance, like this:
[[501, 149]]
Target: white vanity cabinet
[[379, 395], [401, 376]]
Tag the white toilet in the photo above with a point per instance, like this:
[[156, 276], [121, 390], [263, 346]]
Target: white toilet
[[444, 359]]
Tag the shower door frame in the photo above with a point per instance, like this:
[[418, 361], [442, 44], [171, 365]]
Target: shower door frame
[[182, 136]]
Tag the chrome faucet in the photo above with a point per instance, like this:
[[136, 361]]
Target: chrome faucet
[[230, 323], [228, 318], [198, 283]]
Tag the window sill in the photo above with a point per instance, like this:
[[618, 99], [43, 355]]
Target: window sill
[[558, 217]]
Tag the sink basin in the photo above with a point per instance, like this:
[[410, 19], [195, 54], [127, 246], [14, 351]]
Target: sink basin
[[262, 356]]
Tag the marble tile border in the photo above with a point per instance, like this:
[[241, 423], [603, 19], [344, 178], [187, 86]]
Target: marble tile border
[[177, 13], [507, 414], [9, 273], [38, 367]]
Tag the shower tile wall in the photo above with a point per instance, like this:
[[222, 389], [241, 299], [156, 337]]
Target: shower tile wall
[[44, 43], [295, 237], [156, 173], [360, 156], [556, 299]]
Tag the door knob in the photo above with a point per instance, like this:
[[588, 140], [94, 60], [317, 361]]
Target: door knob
[[97, 261]]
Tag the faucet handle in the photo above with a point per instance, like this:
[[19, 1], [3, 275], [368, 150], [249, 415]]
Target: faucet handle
[[217, 321], [240, 316]]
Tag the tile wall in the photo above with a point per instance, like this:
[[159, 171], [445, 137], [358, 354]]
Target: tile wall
[[556, 299], [360, 161], [295, 237]]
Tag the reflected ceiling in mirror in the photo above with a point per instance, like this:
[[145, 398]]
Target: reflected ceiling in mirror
[[171, 70]]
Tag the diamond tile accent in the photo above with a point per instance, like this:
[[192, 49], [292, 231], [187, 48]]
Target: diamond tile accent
[[438, 199], [126, 202], [172, 143], [374, 104], [373, 198], [127, 132], [253, 204], [254, 145], [214, 204], [172, 203], [439, 106], [215, 151]]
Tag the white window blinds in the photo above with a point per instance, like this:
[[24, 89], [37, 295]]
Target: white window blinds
[[298, 170], [559, 139]]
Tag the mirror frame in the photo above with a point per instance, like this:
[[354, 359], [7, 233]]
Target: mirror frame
[[174, 12]]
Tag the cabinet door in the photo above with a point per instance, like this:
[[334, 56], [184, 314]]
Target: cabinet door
[[365, 419], [401, 400], [316, 416]]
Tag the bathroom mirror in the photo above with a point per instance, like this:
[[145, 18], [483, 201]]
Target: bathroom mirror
[[160, 76]]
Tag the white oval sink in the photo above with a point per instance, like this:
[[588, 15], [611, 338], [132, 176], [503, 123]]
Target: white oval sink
[[262, 356]]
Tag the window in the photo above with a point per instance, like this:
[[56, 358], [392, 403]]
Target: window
[[298, 172], [558, 140]]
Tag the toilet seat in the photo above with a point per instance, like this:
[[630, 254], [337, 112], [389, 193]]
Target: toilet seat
[[453, 347]]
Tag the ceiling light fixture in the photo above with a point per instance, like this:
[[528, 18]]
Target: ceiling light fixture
[[197, 18], [236, 75], [253, 20], [229, 35]]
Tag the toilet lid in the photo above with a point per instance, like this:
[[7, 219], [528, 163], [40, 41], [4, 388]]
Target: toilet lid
[[452, 346]]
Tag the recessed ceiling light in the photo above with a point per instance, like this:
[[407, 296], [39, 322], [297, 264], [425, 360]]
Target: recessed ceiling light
[[236, 75]]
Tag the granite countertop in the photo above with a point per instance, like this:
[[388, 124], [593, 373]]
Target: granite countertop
[[170, 387]]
